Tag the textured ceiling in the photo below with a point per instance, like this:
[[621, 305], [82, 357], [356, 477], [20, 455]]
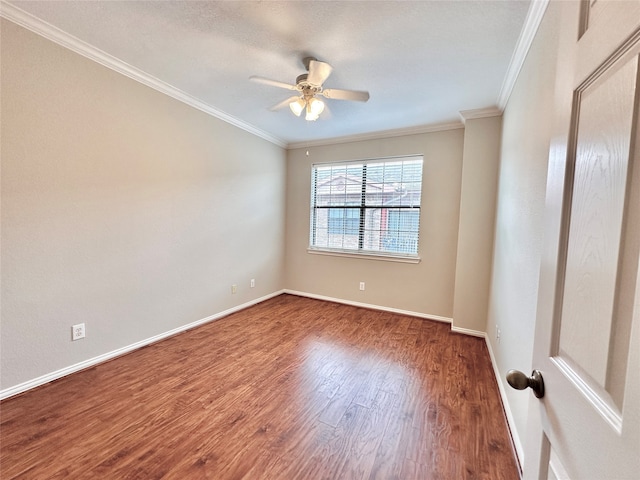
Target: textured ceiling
[[421, 61]]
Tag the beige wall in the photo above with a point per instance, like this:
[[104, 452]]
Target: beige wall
[[519, 215], [425, 288], [121, 208], [477, 221], [129, 211]]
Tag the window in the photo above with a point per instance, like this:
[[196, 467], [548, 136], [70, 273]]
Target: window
[[344, 221], [367, 207]]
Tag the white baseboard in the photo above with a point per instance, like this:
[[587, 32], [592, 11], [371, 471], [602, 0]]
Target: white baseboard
[[63, 372], [505, 404], [49, 377], [36, 382], [468, 331], [368, 305]]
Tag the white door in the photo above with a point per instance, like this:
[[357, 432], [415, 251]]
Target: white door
[[587, 343]]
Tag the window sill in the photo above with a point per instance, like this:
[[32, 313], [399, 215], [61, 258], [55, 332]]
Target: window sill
[[367, 256]]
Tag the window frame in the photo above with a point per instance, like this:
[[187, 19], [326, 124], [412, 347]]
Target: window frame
[[363, 206]]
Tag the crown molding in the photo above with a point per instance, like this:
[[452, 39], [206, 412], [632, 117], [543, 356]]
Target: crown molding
[[528, 33], [54, 34], [399, 132], [480, 113]]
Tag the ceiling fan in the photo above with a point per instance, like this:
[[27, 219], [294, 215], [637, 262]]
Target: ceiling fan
[[309, 85]]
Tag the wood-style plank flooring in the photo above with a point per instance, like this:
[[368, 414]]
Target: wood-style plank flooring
[[292, 388]]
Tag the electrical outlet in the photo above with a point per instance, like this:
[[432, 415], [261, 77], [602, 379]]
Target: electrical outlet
[[234, 288], [253, 282], [361, 285], [77, 332]]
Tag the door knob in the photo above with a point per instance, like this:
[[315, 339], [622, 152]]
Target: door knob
[[520, 381]]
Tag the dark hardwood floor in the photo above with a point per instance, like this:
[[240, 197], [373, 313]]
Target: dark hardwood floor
[[292, 388]]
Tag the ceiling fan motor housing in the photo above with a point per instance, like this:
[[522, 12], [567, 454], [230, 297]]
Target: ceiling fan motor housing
[[307, 89]]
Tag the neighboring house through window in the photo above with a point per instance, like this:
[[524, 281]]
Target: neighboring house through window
[[368, 207]]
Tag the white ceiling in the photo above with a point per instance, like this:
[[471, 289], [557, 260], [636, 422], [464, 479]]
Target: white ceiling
[[422, 61]]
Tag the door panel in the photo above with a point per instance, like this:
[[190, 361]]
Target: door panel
[[556, 469], [588, 317], [587, 342]]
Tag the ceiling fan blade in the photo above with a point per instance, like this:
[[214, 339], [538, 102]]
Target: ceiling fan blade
[[318, 72], [273, 83], [336, 94], [284, 103]]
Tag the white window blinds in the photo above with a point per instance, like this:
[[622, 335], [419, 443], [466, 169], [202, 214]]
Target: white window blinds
[[370, 207]]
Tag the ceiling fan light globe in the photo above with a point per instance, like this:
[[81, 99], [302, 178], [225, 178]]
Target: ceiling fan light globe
[[297, 106], [312, 112], [310, 117], [316, 106]]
